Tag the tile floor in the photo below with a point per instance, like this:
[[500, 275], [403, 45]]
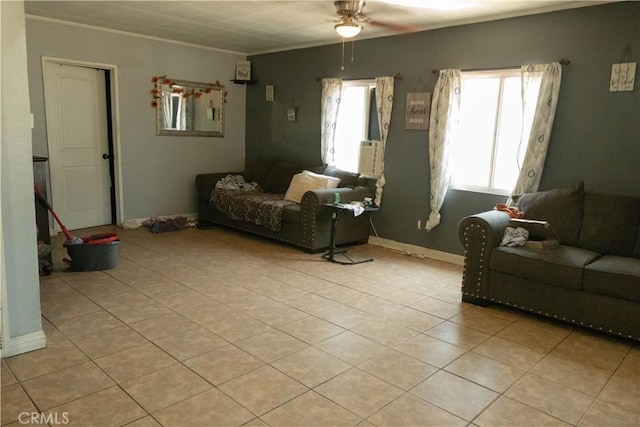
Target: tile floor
[[214, 327]]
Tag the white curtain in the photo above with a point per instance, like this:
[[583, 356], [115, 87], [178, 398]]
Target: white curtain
[[536, 141], [384, 102], [167, 107], [189, 108], [185, 111], [331, 92], [445, 112]]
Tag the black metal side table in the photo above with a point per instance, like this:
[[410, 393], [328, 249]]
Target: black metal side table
[[339, 209]]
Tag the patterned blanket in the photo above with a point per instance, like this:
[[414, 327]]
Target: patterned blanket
[[244, 201]]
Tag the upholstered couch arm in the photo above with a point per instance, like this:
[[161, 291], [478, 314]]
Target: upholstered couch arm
[[315, 218], [206, 182], [479, 234]]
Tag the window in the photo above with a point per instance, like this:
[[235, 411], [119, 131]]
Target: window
[[357, 121], [487, 153]]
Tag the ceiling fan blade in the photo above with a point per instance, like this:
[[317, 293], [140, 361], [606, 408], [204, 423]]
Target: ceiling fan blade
[[398, 28], [353, 11]]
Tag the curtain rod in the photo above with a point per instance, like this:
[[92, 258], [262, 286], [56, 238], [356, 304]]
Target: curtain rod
[[561, 62], [398, 76]]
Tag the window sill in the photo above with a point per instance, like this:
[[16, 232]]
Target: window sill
[[484, 190]]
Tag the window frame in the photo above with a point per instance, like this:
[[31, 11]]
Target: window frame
[[502, 74], [370, 85]]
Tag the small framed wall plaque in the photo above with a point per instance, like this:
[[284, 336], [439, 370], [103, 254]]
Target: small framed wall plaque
[[622, 77], [291, 114], [243, 70], [270, 93]]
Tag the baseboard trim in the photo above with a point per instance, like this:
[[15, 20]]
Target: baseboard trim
[[137, 222], [24, 343], [418, 251]]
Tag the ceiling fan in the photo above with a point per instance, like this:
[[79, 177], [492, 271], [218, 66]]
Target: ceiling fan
[[352, 17]]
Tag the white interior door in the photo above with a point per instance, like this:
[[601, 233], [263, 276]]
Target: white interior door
[[75, 103]]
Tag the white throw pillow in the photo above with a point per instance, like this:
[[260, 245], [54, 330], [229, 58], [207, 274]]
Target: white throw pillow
[[308, 181], [332, 181]]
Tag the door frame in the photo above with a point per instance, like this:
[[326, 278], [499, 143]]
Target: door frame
[[115, 126]]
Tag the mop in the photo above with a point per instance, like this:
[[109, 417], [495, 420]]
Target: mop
[[71, 239]]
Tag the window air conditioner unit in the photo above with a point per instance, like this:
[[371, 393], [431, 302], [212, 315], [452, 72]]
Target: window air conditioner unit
[[370, 159]]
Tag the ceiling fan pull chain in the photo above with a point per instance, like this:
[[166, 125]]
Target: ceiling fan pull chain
[[342, 65]]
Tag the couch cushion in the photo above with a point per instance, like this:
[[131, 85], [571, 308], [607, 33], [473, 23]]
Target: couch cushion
[[291, 214], [562, 266], [610, 223], [636, 249], [315, 169], [614, 276], [280, 175], [561, 208], [256, 169], [347, 179]]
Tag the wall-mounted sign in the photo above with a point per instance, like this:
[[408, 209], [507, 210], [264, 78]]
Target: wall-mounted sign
[[243, 70], [270, 93], [622, 77], [291, 114], [417, 111]]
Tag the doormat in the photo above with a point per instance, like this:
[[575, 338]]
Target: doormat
[[163, 225]]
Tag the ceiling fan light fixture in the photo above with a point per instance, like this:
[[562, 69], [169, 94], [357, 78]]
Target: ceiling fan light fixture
[[348, 28]]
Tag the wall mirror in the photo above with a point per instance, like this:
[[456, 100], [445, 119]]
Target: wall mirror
[[189, 108]]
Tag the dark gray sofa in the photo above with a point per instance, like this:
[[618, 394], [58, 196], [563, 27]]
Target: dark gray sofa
[[306, 225], [592, 279]]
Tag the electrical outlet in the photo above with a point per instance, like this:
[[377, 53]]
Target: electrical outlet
[[419, 224]]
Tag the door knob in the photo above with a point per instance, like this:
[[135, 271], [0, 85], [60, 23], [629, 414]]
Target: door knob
[[106, 156]]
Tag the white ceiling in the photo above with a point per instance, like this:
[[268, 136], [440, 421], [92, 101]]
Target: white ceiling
[[254, 26]]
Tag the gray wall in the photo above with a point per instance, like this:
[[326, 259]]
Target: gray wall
[[158, 172], [596, 135], [20, 273]]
